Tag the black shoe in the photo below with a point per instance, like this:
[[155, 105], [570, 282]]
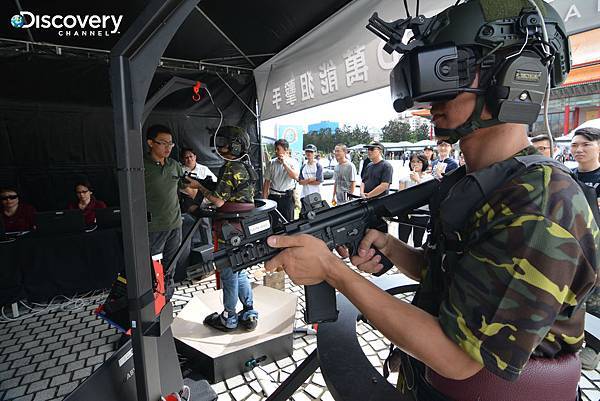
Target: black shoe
[[215, 321], [248, 319]]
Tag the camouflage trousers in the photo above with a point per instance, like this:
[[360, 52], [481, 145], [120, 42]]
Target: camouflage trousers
[[592, 305]]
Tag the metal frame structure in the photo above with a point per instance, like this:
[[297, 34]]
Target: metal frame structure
[[133, 62]]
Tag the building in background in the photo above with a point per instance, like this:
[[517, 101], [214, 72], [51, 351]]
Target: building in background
[[577, 100], [331, 125]]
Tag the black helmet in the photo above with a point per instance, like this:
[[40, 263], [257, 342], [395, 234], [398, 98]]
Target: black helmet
[[236, 138], [503, 41]]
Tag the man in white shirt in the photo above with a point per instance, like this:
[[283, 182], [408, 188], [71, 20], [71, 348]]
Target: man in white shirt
[[311, 173], [197, 170], [188, 157], [280, 179]]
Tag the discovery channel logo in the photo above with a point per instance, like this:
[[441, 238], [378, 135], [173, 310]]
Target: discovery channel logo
[[70, 25]]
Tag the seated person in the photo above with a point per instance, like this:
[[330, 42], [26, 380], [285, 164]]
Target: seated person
[[86, 202], [17, 217]]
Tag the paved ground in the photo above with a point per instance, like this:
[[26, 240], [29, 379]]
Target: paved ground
[[48, 352], [47, 355]]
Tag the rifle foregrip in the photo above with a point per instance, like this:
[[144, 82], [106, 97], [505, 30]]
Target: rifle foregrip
[[387, 264], [320, 303]]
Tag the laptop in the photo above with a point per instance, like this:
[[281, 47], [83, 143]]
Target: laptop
[[108, 217], [59, 222]]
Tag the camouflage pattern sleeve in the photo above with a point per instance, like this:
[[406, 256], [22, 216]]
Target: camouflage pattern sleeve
[[229, 183], [519, 289]]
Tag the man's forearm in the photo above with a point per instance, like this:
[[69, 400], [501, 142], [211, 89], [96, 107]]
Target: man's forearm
[[410, 328], [351, 188], [378, 190], [409, 260], [266, 187]]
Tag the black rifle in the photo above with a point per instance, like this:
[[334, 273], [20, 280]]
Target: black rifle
[[343, 225]]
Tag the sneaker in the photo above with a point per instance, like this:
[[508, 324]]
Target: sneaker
[[222, 321], [248, 319], [589, 359]]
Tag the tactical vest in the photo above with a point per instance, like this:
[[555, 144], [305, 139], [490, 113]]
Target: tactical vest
[[449, 239]]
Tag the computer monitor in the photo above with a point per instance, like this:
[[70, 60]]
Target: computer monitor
[[59, 222], [108, 218]]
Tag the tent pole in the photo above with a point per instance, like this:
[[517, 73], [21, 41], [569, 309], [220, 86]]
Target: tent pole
[[236, 95], [225, 36]]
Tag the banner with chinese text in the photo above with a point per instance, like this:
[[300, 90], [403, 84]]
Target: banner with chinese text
[[341, 58]]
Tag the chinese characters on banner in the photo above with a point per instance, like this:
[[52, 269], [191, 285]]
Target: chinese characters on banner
[[355, 71], [341, 58]]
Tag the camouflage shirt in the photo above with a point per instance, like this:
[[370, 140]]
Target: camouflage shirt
[[518, 290], [229, 185]]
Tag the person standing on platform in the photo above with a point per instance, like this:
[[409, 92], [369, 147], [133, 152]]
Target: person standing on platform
[[234, 193], [162, 177], [280, 179], [378, 175], [311, 173], [344, 176], [86, 202]]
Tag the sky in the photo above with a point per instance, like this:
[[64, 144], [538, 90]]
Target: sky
[[371, 109]]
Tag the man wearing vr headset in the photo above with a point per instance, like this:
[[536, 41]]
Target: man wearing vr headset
[[234, 193], [514, 249]]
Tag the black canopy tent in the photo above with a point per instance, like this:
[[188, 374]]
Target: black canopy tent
[[229, 45], [55, 101]]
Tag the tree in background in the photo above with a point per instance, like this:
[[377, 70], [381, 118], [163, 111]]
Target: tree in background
[[422, 132], [397, 131], [325, 140]]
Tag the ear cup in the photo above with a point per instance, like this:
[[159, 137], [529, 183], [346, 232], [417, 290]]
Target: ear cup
[[236, 148]]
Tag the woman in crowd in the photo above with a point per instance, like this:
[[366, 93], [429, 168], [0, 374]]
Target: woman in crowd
[[86, 202], [418, 167], [17, 216]]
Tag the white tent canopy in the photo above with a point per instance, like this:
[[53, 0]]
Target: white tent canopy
[[341, 58]]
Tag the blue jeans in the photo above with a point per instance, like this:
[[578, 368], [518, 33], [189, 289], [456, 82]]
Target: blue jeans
[[235, 285]]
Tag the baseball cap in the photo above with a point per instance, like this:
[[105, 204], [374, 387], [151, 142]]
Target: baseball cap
[[428, 147], [440, 141], [375, 144], [310, 148]]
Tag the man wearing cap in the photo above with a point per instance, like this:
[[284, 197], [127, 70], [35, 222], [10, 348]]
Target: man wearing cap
[[280, 179], [311, 173], [444, 164], [378, 175]]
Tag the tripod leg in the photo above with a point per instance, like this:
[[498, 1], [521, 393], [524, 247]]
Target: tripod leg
[[295, 380]]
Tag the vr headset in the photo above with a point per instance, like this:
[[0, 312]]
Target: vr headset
[[430, 74], [446, 52], [440, 73]]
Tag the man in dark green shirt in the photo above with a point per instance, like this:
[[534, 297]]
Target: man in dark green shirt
[[162, 180]]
